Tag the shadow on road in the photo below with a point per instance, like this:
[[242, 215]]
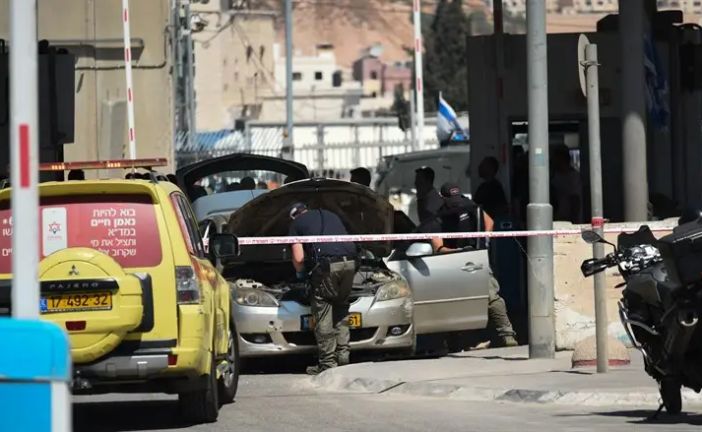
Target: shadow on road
[[294, 365], [127, 416], [643, 417]]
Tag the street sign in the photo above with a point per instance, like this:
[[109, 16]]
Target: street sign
[[583, 42]]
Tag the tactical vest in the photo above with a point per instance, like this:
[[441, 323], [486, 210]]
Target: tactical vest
[[463, 219]]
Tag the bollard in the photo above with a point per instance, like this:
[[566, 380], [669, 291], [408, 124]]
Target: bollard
[[35, 375]]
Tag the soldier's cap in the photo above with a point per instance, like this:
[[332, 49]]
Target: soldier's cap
[[451, 192], [296, 210]]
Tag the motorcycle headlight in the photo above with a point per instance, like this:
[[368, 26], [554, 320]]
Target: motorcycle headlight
[[253, 297], [393, 290]]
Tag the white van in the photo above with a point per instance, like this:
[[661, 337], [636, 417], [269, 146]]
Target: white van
[[396, 174]]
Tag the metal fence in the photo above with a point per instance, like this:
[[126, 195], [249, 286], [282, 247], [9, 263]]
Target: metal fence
[[331, 146]]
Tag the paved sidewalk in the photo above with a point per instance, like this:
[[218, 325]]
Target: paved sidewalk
[[502, 375]]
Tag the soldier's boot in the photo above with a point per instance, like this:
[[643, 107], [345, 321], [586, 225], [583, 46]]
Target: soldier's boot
[[315, 370], [509, 341], [342, 360]]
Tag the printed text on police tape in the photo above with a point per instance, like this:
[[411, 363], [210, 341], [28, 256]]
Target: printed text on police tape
[[423, 236]]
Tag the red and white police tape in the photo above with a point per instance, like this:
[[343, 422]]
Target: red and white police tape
[[423, 236]]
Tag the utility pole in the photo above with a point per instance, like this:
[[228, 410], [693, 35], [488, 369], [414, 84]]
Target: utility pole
[[633, 84], [589, 66], [288, 146], [539, 211], [190, 74]]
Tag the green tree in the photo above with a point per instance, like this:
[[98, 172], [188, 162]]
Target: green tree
[[445, 63]]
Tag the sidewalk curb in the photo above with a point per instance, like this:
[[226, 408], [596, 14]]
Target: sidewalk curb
[[333, 381]]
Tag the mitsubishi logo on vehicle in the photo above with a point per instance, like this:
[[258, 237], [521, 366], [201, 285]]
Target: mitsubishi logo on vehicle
[[74, 271]]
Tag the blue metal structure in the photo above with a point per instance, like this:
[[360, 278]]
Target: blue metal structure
[[35, 375]]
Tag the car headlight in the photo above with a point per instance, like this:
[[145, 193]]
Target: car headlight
[[393, 290], [253, 297]]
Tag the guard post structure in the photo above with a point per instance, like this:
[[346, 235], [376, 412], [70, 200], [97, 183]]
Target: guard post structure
[[35, 375]]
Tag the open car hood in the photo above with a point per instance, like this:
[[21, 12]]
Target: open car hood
[[362, 210], [187, 176]]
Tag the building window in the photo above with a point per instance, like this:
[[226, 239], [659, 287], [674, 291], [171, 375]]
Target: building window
[[374, 75], [318, 76], [297, 76]]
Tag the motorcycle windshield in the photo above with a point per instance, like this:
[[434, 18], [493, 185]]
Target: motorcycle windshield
[[641, 237]]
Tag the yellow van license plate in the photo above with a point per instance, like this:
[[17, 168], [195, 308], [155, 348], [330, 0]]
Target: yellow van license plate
[[77, 302]]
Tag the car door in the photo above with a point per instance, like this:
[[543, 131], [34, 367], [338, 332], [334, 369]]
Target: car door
[[450, 290], [213, 303]]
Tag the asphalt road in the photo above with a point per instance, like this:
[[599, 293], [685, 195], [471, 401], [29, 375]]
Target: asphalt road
[[287, 403]]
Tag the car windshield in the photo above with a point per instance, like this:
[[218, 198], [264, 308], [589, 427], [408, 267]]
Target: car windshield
[[230, 181], [223, 203]]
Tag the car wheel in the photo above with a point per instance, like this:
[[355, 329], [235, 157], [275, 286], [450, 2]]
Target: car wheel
[[228, 383], [671, 395], [202, 406]]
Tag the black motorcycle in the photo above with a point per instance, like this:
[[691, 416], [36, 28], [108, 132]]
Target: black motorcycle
[[660, 316]]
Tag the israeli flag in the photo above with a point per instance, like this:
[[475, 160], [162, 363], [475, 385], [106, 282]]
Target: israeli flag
[[447, 125], [657, 90]]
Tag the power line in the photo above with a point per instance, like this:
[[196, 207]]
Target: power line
[[271, 77]]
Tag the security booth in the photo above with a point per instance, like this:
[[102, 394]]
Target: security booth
[[673, 67]]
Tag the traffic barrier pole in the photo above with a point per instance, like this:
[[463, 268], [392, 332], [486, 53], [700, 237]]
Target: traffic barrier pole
[[24, 152], [128, 75]]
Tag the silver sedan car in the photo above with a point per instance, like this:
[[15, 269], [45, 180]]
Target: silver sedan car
[[271, 308], [401, 289]]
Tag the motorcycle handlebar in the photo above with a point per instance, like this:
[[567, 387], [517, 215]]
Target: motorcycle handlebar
[[594, 265]]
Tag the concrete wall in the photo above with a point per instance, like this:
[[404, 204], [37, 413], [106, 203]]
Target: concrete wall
[[575, 295], [233, 66], [100, 88]]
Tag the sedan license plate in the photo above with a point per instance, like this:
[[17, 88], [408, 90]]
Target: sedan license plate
[[307, 321], [76, 302]]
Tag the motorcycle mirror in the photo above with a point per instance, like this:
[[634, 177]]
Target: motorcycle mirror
[[591, 237]]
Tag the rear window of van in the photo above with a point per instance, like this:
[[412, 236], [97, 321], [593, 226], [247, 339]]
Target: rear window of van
[[122, 226]]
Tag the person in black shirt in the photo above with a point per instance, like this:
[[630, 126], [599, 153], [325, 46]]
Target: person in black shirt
[[361, 176], [490, 195], [330, 269], [460, 214], [428, 200]]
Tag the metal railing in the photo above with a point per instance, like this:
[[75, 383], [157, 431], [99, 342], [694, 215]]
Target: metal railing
[[340, 145]]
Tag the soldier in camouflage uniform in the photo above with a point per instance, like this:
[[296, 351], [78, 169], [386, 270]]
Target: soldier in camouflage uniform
[[329, 269]]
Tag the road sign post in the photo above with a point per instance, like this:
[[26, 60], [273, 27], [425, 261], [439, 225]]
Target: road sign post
[[589, 82]]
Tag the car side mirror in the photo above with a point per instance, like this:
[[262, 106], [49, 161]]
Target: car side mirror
[[417, 250], [224, 245]]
